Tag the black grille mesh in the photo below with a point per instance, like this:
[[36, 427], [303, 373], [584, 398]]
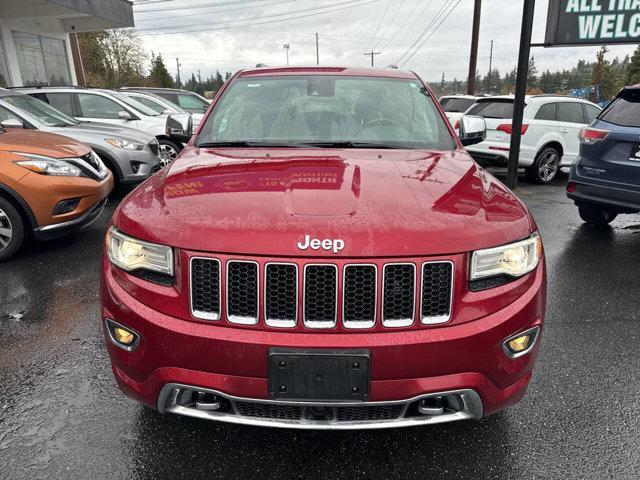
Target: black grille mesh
[[436, 290], [242, 290], [399, 292], [360, 294], [266, 410], [281, 292], [205, 287], [320, 293], [373, 412]]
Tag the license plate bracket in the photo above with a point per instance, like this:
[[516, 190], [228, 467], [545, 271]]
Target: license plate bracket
[[319, 375]]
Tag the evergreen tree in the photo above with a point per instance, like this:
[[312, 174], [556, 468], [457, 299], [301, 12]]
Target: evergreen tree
[[159, 75], [532, 76], [632, 75]]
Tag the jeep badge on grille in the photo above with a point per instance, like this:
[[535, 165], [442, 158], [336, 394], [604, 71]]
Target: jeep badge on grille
[[335, 245]]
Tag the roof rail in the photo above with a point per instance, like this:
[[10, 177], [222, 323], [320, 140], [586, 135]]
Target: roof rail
[[393, 65]]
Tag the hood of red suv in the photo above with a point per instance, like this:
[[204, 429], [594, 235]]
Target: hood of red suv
[[273, 202]]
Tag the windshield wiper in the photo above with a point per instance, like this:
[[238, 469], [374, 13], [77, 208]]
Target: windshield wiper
[[354, 145], [244, 143]]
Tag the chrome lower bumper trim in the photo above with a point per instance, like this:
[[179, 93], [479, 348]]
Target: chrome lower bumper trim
[[470, 407], [88, 217]]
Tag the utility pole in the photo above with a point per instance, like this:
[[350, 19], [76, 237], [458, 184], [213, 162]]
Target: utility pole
[[473, 60], [521, 91], [442, 85], [490, 69], [199, 78], [372, 54], [286, 47], [178, 65], [317, 51], [597, 82]]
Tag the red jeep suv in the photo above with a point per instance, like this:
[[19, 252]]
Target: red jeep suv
[[324, 254]]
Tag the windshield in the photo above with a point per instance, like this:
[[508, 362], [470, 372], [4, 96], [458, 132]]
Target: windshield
[[41, 111], [493, 109], [624, 110], [364, 112], [459, 105], [133, 103], [155, 105]]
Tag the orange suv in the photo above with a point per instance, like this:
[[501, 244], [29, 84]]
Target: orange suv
[[49, 185]]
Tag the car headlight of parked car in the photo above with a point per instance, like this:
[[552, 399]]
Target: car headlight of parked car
[[48, 166], [513, 260], [125, 144], [131, 254]]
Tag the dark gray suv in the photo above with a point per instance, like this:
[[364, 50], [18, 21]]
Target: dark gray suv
[[605, 179]]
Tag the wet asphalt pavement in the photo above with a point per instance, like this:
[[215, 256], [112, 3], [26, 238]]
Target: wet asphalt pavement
[[62, 416]]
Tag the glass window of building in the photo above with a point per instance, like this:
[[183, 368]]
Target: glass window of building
[[4, 70], [42, 60]]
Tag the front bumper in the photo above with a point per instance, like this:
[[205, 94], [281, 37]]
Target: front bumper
[[621, 197], [405, 366], [134, 166]]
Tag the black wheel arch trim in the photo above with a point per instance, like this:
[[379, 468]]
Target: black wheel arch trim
[[14, 196]]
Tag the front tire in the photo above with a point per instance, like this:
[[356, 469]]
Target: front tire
[[545, 167], [596, 216], [167, 151], [11, 230]]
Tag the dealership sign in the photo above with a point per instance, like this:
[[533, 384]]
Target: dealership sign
[[593, 22]]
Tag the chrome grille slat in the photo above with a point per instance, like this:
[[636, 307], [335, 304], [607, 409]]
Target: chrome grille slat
[[320, 295], [437, 292], [205, 288], [281, 295], [398, 297], [243, 279], [359, 296]]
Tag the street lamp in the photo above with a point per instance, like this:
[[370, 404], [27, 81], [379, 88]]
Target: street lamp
[[286, 49]]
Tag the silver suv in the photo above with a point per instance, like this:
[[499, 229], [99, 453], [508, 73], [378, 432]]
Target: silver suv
[[131, 155]]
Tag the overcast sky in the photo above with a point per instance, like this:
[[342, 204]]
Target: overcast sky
[[197, 31]]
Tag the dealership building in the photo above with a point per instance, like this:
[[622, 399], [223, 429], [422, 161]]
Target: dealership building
[[37, 41]]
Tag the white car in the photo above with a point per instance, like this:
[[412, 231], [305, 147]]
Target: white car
[[106, 106], [454, 106], [550, 133], [161, 105]]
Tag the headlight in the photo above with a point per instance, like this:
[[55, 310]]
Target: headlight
[[514, 260], [48, 166], [125, 144], [131, 254]]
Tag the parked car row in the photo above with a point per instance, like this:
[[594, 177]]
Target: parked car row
[[63, 148], [549, 133]]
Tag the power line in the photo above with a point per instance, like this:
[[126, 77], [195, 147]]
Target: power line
[[252, 21], [432, 32], [390, 23], [424, 32], [191, 6], [375, 32], [199, 14], [402, 25]]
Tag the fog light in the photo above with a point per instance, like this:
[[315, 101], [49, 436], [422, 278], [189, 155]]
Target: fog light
[[121, 336], [521, 343]]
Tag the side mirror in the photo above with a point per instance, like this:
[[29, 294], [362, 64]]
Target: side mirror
[[124, 115], [12, 123], [472, 130], [180, 127]]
